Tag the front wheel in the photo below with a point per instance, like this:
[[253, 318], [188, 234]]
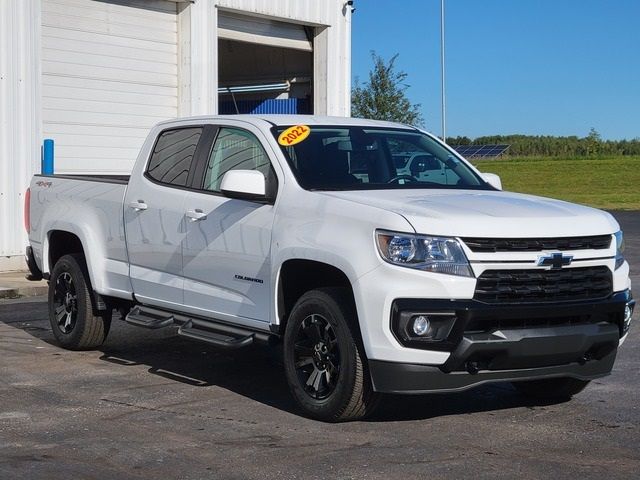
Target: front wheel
[[71, 314], [558, 388], [324, 360]]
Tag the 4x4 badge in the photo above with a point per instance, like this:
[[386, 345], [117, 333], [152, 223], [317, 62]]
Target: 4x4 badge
[[555, 260]]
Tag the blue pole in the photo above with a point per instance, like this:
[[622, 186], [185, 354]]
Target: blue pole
[[47, 157]]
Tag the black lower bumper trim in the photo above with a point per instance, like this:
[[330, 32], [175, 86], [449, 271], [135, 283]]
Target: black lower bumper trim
[[509, 349], [406, 378], [508, 343]]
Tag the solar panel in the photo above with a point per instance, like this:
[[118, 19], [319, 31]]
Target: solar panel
[[480, 151]]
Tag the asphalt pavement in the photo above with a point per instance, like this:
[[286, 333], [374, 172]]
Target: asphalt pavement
[[151, 405]]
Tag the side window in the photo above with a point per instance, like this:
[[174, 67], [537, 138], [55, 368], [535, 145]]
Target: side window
[[171, 158], [236, 149]]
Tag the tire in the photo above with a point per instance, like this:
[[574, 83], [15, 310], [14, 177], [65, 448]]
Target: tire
[[552, 388], [71, 313], [324, 358]]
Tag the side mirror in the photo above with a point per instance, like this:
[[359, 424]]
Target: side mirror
[[493, 180], [244, 184]]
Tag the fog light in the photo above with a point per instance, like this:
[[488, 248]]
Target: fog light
[[421, 325], [423, 328], [628, 313]]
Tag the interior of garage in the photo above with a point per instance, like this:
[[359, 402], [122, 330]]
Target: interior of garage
[[256, 78], [264, 66]]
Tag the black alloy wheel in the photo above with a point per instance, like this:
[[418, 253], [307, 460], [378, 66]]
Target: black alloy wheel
[[65, 300], [317, 356], [324, 359], [76, 324]]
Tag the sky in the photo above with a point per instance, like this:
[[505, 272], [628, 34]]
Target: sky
[[537, 67]]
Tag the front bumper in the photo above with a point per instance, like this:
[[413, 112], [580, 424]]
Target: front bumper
[[492, 343]]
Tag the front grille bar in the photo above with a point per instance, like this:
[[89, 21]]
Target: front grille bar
[[492, 245]]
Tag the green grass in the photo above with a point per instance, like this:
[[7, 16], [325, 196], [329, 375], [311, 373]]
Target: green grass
[[612, 183]]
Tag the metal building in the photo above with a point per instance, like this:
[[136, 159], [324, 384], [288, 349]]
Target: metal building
[[94, 75]]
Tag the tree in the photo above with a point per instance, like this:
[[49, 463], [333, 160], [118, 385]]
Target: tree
[[383, 96], [594, 142]]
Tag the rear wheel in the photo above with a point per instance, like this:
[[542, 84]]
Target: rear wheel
[[324, 358], [551, 388], [70, 309]]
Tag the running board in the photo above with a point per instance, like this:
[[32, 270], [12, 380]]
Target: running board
[[146, 318], [214, 332], [220, 340]]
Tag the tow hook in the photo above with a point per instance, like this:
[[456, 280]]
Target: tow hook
[[473, 367], [585, 358]]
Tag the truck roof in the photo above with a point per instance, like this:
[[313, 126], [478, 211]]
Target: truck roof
[[281, 120]]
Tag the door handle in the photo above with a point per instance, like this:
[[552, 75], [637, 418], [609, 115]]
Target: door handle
[[138, 206], [196, 215]]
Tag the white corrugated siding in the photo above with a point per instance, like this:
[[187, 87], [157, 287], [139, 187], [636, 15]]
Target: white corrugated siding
[[19, 120], [109, 73]]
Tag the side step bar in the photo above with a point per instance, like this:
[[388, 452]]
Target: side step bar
[[189, 330], [141, 317], [219, 334]]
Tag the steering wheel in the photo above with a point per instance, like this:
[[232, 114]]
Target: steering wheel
[[402, 177]]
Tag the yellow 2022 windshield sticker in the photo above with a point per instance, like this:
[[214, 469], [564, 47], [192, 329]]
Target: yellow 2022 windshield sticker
[[294, 135]]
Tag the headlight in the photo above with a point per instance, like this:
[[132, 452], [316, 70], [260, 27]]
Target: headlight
[[422, 252], [619, 248]]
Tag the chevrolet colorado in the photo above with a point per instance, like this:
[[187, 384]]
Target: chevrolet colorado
[[316, 234]]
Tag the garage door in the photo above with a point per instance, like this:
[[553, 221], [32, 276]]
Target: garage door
[[109, 72], [244, 28]]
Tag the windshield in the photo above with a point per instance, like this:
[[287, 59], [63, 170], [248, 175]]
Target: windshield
[[362, 158]]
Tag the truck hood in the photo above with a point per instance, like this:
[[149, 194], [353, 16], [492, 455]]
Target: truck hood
[[474, 213]]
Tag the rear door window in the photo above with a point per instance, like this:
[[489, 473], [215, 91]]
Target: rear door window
[[172, 156]]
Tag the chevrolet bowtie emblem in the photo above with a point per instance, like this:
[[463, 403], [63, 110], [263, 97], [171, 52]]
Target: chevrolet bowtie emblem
[[555, 260]]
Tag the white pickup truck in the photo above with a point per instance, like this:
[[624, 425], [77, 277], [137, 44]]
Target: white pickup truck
[[308, 232]]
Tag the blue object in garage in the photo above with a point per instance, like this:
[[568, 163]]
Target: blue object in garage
[[289, 106], [47, 157]]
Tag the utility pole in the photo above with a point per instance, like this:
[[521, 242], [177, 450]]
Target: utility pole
[[442, 87]]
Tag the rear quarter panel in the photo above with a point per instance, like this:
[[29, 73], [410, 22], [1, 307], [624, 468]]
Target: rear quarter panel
[[91, 210]]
